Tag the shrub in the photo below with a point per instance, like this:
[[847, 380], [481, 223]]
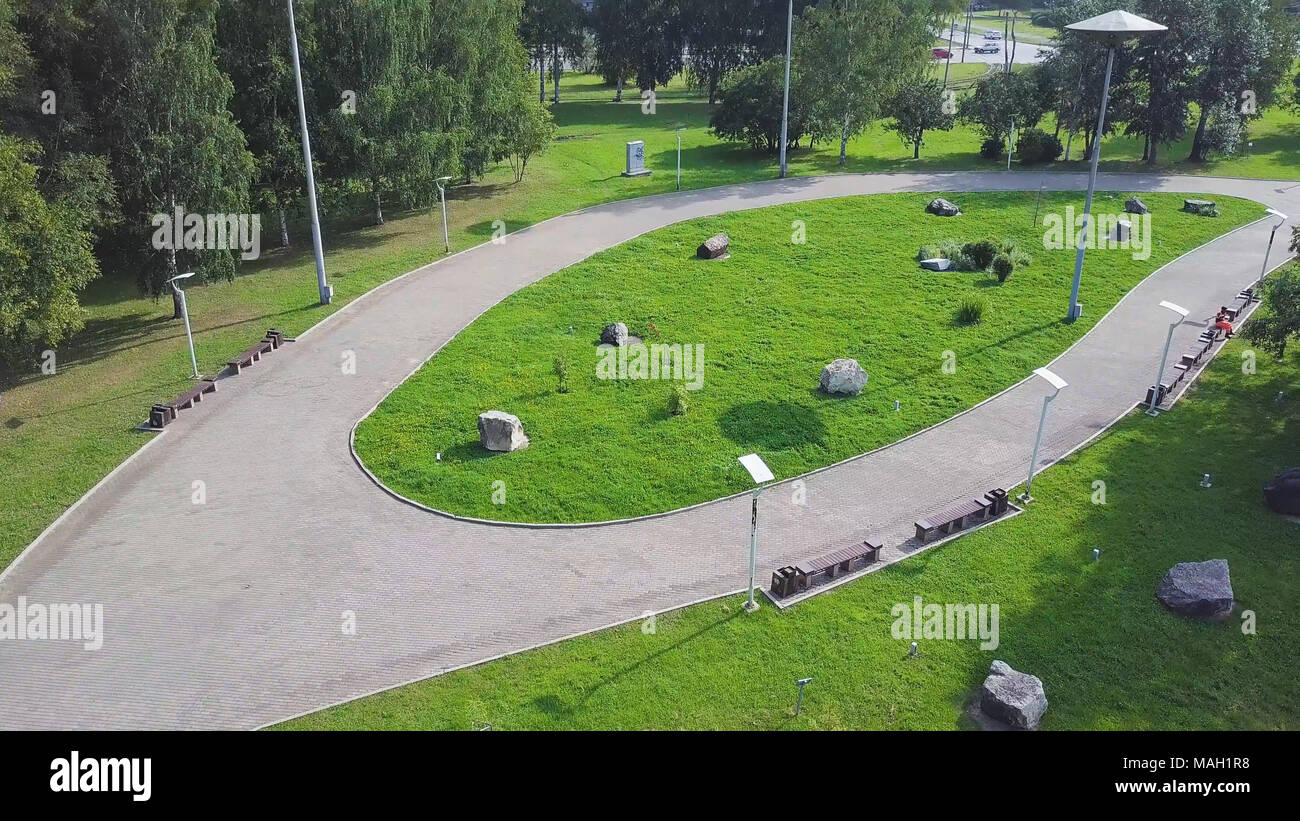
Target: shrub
[[981, 253], [1020, 258], [1037, 146], [562, 373], [991, 149], [1003, 266], [971, 310], [678, 400]]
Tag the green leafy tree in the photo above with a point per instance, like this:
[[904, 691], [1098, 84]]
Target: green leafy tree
[[615, 33], [660, 40], [553, 31], [1279, 322], [717, 32], [1164, 66], [529, 131], [1001, 99], [750, 107], [1236, 54], [919, 106]]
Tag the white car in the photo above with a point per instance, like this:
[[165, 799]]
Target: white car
[[992, 35], [988, 48]]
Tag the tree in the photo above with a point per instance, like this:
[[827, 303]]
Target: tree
[[659, 42], [529, 131], [750, 110], [1164, 65], [716, 35], [1001, 99], [854, 54], [1280, 321], [616, 34], [1236, 51], [919, 106], [553, 30]]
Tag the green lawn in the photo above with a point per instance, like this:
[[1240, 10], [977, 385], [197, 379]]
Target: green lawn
[[60, 435], [1108, 655], [768, 319]]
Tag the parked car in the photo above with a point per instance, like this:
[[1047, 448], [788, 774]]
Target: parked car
[[988, 48], [992, 35], [941, 53]]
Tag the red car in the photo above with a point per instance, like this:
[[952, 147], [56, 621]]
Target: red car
[[941, 53]]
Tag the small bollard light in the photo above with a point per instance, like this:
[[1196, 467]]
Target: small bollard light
[[798, 705], [1205, 480], [570, 330], [1281, 395], [1096, 554], [912, 650], [895, 404], [438, 457]]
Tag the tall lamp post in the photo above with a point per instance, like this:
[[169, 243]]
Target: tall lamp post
[[785, 104], [1281, 219], [760, 473], [326, 292], [1110, 29], [185, 314], [1180, 314], [1057, 383], [442, 197]]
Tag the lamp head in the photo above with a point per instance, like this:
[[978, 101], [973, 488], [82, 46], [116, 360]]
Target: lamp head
[[1178, 309], [758, 469], [1276, 213], [1115, 27], [1051, 378]]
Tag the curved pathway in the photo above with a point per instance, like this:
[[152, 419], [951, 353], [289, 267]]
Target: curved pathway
[[229, 614]]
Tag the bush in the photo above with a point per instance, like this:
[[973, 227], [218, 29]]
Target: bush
[[1003, 266], [1036, 146], [1019, 258], [981, 253], [971, 310], [562, 373], [991, 149], [679, 401]]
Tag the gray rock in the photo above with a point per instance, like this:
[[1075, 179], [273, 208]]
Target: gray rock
[[1200, 590], [1012, 697], [936, 264], [843, 377], [1134, 205], [714, 247], [614, 334], [501, 431], [1205, 208], [941, 207]]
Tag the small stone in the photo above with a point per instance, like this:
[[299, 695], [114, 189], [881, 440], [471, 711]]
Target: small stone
[[714, 247], [1012, 697], [936, 264], [843, 377], [500, 431], [1199, 590], [614, 334], [941, 207], [1135, 205]]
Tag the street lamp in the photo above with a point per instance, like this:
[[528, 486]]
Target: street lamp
[[1181, 313], [1110, 29], [1057, 383], [185, 314], [1281, 219], [760, 473], [785, 105], [326, 292], [442, 195]]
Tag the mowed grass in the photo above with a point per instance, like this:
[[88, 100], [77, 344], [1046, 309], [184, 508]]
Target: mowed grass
[[1109, 656], [61, 434], [768, 319]]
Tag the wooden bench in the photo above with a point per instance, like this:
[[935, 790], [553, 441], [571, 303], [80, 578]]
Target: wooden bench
[[790, 579], [993, 504], [276, 338], [250, 356], [162, 414]]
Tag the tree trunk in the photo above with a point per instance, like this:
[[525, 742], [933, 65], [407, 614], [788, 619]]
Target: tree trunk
[[844, 141], [555, 72], [379, 205], [713, 89], [541, 78], [176, 303], [284, 230], [916, 144], [618, 91], [1146, 148], [1198, 143]]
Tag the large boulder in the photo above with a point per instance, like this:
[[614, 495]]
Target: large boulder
[[1135, 205], [1201, 590], [501, 431], [843, 377], [614, 334], [1012, 697], [714, 247], [1205, 208], [936, 264], [1282, 492], [941, 207]]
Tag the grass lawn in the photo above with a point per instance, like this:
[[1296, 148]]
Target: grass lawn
[[1108, 655], [768, 318], [59, 435]]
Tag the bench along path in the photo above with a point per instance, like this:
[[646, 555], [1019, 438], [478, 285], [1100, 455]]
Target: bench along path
[[229, 614]]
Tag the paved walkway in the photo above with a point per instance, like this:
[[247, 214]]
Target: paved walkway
[[228, 615]]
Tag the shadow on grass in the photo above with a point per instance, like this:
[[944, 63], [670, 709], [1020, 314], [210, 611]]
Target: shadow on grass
[[773, 426]]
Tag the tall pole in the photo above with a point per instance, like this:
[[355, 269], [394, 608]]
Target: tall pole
[[1073, 313], [753, 549], [785, 104], [948, 63], [679, 160], [326, 292], [185, 313], [965, 38], [1033, 460], [1152, 409], [442, 196], [1267, 251]]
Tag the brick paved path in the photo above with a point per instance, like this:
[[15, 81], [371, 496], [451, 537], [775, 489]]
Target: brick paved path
[[237, 623]]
